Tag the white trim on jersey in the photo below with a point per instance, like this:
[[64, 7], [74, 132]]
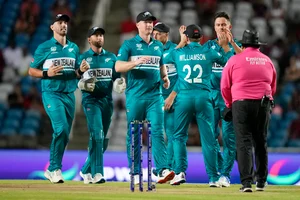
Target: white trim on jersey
[[49, 62]]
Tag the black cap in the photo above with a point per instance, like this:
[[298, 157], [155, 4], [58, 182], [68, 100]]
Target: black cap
[[95, 29], [193, 31], [61, 17], [145, 16], [161, 27], [251, 38]]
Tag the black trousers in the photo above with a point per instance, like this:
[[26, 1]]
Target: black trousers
[[251, 121]]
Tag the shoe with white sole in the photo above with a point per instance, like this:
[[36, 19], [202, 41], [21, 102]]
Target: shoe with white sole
[[55, 176], [165, 176], [224, 181], [98, 178], [214, 184], [87, 178], [260, 186], [178, 179]]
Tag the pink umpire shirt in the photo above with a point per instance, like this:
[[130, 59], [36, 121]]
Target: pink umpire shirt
[[248, 75]]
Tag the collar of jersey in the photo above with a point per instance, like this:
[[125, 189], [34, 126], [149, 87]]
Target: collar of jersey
[[167, 45], [56, 42], [138, 37], [91, 52], [194, 44]]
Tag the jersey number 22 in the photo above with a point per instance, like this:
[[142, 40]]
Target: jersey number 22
[[196, 68]]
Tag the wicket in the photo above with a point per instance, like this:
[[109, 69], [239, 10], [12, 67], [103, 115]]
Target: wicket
[[140, 125]]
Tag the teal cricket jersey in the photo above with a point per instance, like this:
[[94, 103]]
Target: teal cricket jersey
[[172, 74], [194, 65], [217, 68], [52, 52], [142, 81], [102, 66]]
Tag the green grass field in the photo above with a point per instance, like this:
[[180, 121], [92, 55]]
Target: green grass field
[[44, 190]]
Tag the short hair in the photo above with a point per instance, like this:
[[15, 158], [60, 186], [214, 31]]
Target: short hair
[[221, 14]]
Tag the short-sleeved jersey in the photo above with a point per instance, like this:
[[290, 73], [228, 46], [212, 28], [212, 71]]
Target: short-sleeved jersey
[[172, 74], [102, 67], [217, 68], [194, 65], [143, 81], [52, 52]]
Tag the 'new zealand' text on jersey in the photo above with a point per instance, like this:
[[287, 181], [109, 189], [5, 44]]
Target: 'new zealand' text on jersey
[[194, 65], [51, 53], [142, 81], [217, 68], [172, 74], [102, 67]]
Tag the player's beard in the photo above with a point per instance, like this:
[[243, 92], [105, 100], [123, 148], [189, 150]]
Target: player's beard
[[97, 44], [63, 31]]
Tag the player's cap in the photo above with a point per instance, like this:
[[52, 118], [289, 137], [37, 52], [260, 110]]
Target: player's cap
[[61, 17], [161, 27], [145, 16], [251, 38], [94, 30], [193, 31]]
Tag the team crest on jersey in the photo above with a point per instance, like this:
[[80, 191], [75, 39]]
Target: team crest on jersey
[[89, 59], [139, 47], [107, 60], [71, 49], [213, 47], [165, 54], [53, 48], [156, 48]]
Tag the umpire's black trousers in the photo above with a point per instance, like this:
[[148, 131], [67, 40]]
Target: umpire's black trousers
[[251, 121]]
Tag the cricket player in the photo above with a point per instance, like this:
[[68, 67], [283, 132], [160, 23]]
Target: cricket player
[[161, 33], [56, 61], [222, 27], [96, 85], [141, 59], [194, 65]]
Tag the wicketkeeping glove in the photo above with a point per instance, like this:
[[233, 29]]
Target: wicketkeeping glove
[[119, 85], [87, 84]]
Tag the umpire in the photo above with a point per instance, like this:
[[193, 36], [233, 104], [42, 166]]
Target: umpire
[[248, 84]]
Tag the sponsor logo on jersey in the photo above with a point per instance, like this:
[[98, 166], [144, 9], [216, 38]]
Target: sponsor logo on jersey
[[165, 54], [53, 48], [256, 60], [139, 47], [67, 62], [64, 62], [153, 60], [89, 59], [100, 73]]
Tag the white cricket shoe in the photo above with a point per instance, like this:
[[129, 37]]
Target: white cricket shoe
[[98, 178], [87, 178], [224, 181], [178, 179], [55, 176], [165, 176], [214, 184]]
